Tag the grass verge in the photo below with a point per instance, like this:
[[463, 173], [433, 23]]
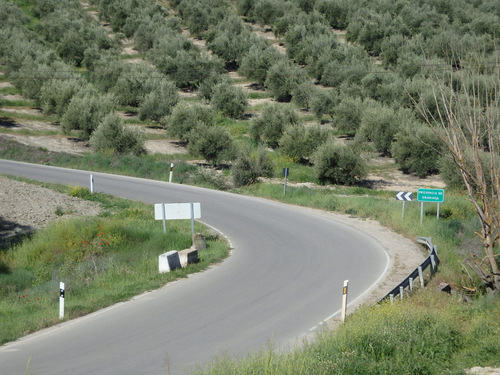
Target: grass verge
[[427, 334]]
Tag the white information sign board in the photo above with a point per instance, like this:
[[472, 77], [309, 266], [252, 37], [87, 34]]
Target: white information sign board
[[176, 211]]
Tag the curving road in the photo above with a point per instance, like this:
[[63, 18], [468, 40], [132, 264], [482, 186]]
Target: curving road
[[284, 278]]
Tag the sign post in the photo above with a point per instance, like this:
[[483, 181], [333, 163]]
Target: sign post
[[192, 220], [404, 196], [164, 218], [286, 172], [429, 195]]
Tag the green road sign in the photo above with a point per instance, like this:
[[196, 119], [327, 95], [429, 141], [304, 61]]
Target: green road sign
[[430, 195]]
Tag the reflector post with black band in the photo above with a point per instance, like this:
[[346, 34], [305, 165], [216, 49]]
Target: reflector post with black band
[[171, 172], [61, 300], [344, 300]]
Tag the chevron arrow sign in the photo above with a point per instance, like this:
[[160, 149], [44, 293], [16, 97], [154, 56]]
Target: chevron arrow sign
[[404, 196]]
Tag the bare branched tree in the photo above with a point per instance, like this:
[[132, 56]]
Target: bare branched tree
[[463, 111]]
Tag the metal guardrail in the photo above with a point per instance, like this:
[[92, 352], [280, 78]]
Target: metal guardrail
[[432, 261]]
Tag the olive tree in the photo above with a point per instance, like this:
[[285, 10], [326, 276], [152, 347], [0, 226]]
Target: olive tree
[[212, 143], [85, 112], [256, 63], [205, 89], [249, 166], [57, 93], [416, 149], [323, 103], [130, 88], [265, 12], [379, 124], [335, 163], [300, 142], [111, 136], [161, 97], [185, 118], [347, 115], [230, 100], [105, 72], [283, 78], [231, 40], [304, 93], [270, 125], [335, 11], [189, 68], [32, 75]]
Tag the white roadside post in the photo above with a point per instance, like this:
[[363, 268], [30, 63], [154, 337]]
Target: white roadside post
[[61, 300], [286, 172], [344, 300], [171, 172], [92, 184]]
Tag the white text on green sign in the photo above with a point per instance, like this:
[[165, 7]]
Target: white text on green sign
[[430, 195]]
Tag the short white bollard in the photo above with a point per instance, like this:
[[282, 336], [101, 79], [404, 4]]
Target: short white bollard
[[92, 184], [61, 300], [344, 300]]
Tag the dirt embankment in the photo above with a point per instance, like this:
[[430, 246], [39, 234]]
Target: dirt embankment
[[26, 207]]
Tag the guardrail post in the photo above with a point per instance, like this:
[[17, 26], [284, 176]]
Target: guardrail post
[[401, 290], [391, 297], [433, 264], [421, 276], [410, 280], [344, 300]]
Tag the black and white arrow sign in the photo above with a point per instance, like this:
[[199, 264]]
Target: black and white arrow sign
[[404, 196]]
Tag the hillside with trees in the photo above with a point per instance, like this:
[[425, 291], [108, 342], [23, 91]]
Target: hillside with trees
[[246, 88]]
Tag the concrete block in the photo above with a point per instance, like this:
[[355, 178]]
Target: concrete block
[[169, 261], [188, 256]]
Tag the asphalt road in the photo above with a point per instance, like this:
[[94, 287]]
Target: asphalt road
[[283, 278]]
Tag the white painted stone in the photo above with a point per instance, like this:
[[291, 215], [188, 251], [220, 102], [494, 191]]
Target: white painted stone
[[188, 256], [169, 261]]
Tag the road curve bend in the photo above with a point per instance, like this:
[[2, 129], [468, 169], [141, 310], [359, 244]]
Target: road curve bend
[[283, 278]]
